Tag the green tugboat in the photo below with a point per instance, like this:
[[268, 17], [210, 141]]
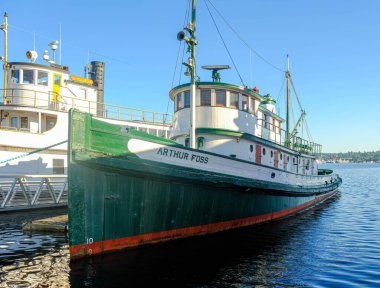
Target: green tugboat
[[227, 164]]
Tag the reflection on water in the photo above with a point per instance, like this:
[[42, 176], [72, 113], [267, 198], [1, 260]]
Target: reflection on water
[[32, 260], [336, 244]]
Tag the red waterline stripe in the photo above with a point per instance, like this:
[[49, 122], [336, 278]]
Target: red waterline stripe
[[82, 250]]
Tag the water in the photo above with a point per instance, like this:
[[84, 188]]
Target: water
[[336, 244]]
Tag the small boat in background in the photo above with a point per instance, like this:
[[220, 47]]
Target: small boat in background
[[227, 164]]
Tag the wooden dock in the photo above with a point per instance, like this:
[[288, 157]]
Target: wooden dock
[[57, 224]]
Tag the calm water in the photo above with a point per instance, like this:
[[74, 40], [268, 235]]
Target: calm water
[[336, 244]]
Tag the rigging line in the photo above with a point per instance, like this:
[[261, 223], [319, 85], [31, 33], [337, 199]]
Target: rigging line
[[186, 20], [173, 79], [308, 131], [224, 43], [295, 92], [278, 99], [180, 72], [176, 62], [242, 40]]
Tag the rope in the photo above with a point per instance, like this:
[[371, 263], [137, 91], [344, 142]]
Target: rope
[[224, 43], [33, 152], [295, 92], [242, 40]]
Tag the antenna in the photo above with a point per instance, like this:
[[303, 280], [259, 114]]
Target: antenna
[[54, 45], [215, 68], [60, 41]]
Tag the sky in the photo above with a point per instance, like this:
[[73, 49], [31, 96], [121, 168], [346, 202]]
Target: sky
[[334, 50]]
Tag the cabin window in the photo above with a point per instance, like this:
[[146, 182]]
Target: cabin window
[[273, 124], [264, 151], [220, 97], [57, 80], [280, 156], [307, 164], [58, 166], [251, 148], [24, 123], [187, 99], [234, 100], [42, 78], [15, 76], [205, 97], [28, 77], [287, 159], [252, 105], [179, 101], [244, 102], [187, 142], [14, 122], [200, 142], [266, 121], [294, 160], [271, 154]]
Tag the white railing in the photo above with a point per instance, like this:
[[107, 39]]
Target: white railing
[[62, 102], [32, 191]]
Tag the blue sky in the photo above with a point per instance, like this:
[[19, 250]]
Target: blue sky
[[334, 49]]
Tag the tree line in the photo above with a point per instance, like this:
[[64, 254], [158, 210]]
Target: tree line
[[352, 156]]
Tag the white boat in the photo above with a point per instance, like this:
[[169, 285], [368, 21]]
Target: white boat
[[34, 105]]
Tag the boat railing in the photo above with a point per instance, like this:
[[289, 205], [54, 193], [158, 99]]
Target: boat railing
[[276, 134], [52, 101], [32, 191]]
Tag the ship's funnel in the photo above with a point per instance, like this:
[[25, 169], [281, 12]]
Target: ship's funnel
[[96, 72]]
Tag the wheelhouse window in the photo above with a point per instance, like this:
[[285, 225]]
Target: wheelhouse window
[[42, 78], [252, 105], [221, 98], [234, 100], [179, 101], [28, 77], [15, 76], [206, 97], [187, 99], [244, 102]]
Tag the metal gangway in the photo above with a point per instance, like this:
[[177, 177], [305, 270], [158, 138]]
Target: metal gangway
[[23, 192]]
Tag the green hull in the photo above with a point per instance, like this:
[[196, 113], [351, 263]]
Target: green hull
[[117, 200]]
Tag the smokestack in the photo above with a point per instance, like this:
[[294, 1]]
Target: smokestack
[[97, 75]]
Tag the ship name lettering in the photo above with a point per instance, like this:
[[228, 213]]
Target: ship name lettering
[[182, 155]]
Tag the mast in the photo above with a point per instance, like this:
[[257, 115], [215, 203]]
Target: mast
[[193, 89], [4, 27], [287, 138], [191, 67]]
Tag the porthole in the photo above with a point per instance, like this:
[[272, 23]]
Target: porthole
[[264, 151], [273, 175], [271, 154], [251, 148]]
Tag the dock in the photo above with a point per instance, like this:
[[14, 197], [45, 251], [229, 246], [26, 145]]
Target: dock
[[57, 224]]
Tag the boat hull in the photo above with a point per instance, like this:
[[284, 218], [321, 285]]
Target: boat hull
[[118, 200]]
